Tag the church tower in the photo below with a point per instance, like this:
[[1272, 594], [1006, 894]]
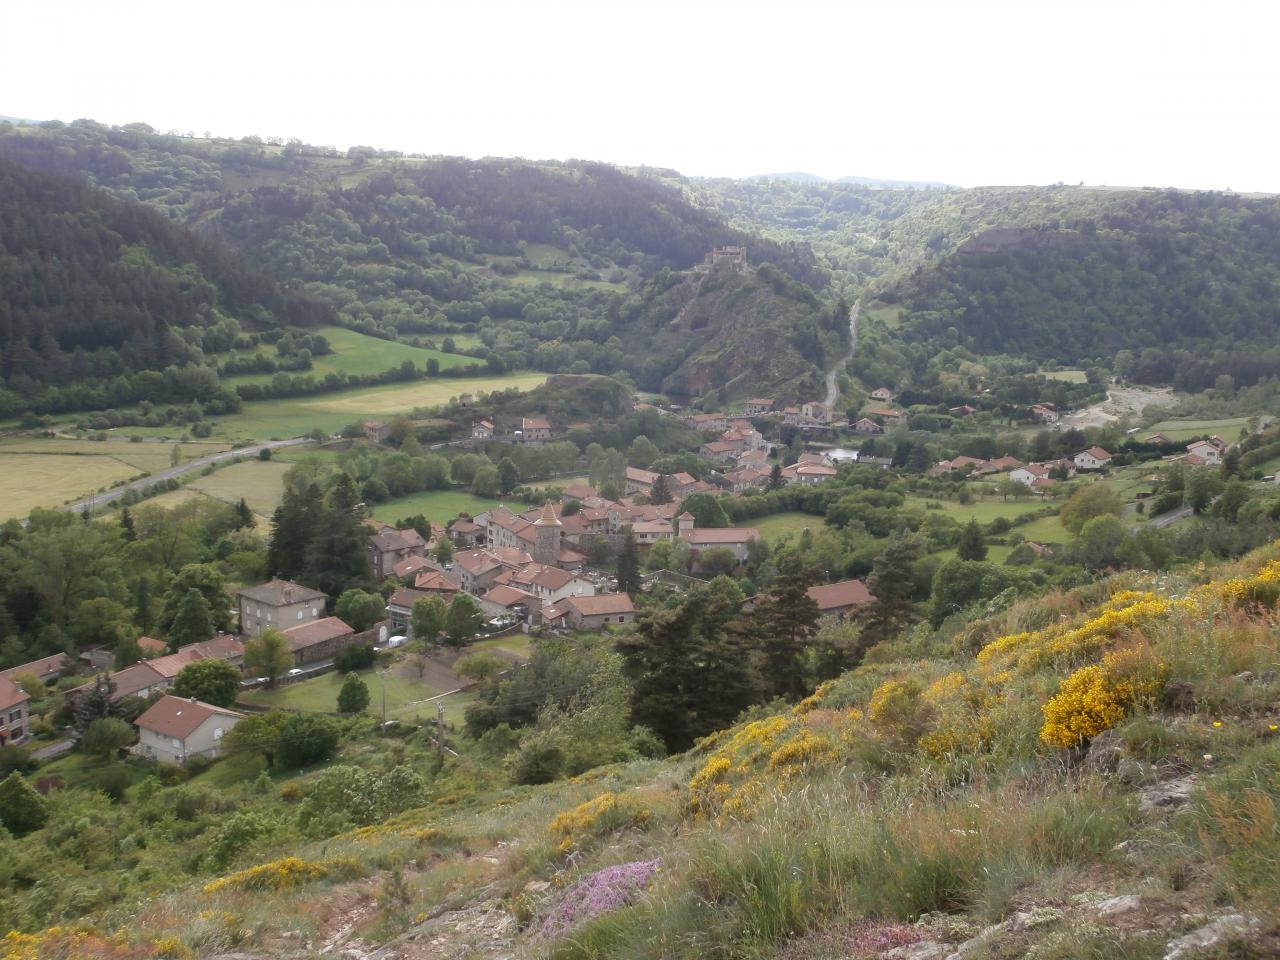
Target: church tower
[[546, 545]]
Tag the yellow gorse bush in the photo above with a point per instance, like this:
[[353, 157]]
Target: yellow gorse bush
[[283, 874], [1097, 697], [597, 816], [1066, 645]]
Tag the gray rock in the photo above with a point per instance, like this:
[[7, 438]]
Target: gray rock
[[537, 886], [924, 950], [975, 945], [1114, 906], [1106, 750], [1211, 934], [1172, 794], [1244, 677]]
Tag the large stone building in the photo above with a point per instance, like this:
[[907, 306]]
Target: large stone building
[[15, 726], [278, 605]]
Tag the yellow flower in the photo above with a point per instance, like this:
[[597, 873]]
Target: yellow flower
[[1217, 723]]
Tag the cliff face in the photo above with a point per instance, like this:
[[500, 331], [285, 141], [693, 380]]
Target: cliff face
[[739, 332]]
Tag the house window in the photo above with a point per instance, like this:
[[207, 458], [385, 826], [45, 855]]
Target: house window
[[217, 733], [177, 742], [300, 614], [315, 611]]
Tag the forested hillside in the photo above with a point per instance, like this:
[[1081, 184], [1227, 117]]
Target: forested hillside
[[545, 261], [98, 297], [1178, 287]]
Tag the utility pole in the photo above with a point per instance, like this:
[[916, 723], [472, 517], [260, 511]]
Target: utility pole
[[382, 677], [440, 731]]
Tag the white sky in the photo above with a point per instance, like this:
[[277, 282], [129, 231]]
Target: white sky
[[967, 91]]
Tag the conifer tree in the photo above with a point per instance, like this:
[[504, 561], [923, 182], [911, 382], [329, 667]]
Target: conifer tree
[[244, 518], [972, 545], [891, 584], [628, 563], [95, 703], [126, 524], [336, 558], [660, 492], [22, 809], [783, 623]]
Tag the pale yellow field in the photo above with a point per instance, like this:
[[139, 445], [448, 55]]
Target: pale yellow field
[[428, 393], [30, 480], [260, 482], [48, 472]]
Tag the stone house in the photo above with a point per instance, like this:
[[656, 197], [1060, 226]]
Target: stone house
[[535, 429], [389, 546], [278, 604], [318, 640], [15, 726]]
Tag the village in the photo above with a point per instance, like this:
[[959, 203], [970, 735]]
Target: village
[[540, 570]]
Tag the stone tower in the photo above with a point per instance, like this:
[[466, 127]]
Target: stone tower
[[546, 545]]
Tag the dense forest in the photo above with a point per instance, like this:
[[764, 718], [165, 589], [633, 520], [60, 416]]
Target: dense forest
[[99, 298]]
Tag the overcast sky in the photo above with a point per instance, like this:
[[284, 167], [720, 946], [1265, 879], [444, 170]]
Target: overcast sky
[[1132, 93]]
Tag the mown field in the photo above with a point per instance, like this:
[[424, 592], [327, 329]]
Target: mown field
[[440, 506], [37, 472], [330, 412], [1228, 429], [404, 696], [783, 525], [358, 354]]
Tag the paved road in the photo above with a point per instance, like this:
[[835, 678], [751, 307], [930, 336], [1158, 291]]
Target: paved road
[[52, 750], [833, 392], [1173, 516], [115, 493]]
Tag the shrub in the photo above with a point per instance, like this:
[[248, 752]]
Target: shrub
[[1097, 697], [539, 764], [597, 817], [354, 658], [307, 738]]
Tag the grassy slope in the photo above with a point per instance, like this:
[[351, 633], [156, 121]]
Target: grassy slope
[[780, 525], [359, 354], [1228, 429], [835, 830]]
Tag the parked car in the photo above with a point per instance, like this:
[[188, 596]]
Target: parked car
[[296, 672], [394, 642]]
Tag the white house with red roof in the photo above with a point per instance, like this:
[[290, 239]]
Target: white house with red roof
[[176, 729], [1095, 458]]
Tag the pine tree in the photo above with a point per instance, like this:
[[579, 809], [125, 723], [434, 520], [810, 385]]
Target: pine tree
[[244, 518], [126, 524], [293, 527], [783, 622], [775, 477], [972, 545], [193, 622], [508, 475], [660, 492], [354, 695], [95, 703], [22, 809], [628, 563], [142, 603], [891, 584], [336, 557]]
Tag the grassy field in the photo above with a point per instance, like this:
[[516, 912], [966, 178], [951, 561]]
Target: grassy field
[[39, 472], [984, 511], [330, 412], [439, 506], [782, 525], [1067, 376], [1044, 530], [1228, 429], [259, 482], [321, 693], [517, 643], [358, 354]]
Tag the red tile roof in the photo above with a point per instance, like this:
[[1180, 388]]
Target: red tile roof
[[604, 604], [317, 631], [11, 695], [179, 717], [839, 596]]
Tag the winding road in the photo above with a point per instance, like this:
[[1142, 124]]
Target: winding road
[[833, 392], [98, 499]]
